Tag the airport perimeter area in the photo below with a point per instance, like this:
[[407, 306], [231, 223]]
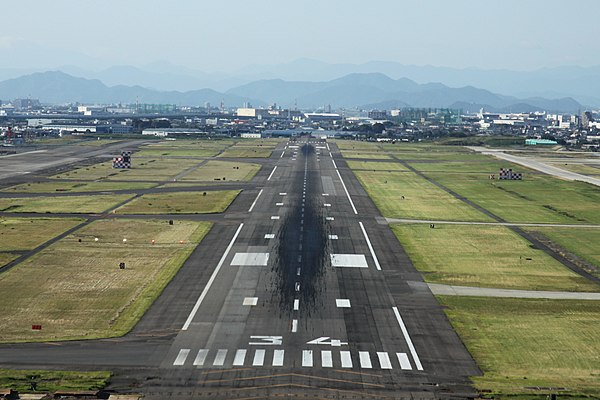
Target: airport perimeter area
[[235, 269]]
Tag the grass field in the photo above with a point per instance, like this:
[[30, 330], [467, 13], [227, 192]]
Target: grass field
[[177, 152], [422, 200], [246, 152], [5, 258], [75, 187], [63, 204], [180, 203], [584, 169], [581, 242], [149, 170], [76, 290], [485, 256], [223, 170], [366, 155], [523, 343], [29, 233], [538, 198], [52, 381], [376, 166]]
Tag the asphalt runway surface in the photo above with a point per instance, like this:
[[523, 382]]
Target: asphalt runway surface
[[298, 291]]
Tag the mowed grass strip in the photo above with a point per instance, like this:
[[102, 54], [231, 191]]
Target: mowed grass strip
[[207, 202], [246, 152], [583, 242], [76, 290], [29, 233], [177, 152], [366, 155], [521, 344], [485, 256], [537, 198], [216, 170], [422, 199], [376, 166], [75, 187], [52, 381], [143, 169], [62, 204]]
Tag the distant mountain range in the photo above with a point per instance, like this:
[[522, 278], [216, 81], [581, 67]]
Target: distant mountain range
[[362, 90]]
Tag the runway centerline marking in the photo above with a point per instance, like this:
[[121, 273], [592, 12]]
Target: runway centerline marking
[[375, 259], [272, 172], [294, 325], [411, 347], [296, 304], [211, 280], [255, 200]]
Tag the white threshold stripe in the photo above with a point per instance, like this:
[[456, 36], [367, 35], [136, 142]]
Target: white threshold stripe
[[346, 359], [181, 357], [365, 359], [211, 280], [384, 360], [404, 361], [307, 358], [220, 358], [326, 359], [201, 357], [411, 347], [255, 200], [375, 259], [240, 356], [278, 358], [259, 358], [272, 172], [346, 190]]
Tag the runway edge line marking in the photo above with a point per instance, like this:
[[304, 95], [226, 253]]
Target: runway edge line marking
[[375, 259], [345, 188], [211, 280], [255, 200], [413, 351]]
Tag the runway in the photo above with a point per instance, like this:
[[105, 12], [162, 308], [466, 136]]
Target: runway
[[302, 293]]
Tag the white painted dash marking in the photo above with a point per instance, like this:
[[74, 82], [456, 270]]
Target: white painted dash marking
[[278, 358], [296, 304], [365, 359], [330, 218], [282, 153], [181, 357], [326, 359], [201, 357], [404, 361], [333, 237], [278, 204], [250, 301], [384, 360], [294, 325], [346, 359], [307, 358], [327, 205], [255, 201], [270, 236], [272, 172], [283, 194], [220, 357], [275, 217], [411, 347], [259, 358], [342, 303], [240, 357], [375, 259], [346, 190]]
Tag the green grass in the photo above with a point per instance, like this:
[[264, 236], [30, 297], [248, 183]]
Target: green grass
[[537, 198], [230, 170], [246, 152], [75, 187], [422, 200], [580, 241], [63, 204], [148, 170], [365, 155], [76, 290], [521, 343], [52, 381], [29, 233], [181, 203], [5, 258], [177, 152], [584, 169], [376, 166], [484, 256]]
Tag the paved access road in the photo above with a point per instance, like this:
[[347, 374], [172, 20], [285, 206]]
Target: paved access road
[[300, 293]]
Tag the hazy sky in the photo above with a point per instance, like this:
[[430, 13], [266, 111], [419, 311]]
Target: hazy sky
[[230, 34]]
